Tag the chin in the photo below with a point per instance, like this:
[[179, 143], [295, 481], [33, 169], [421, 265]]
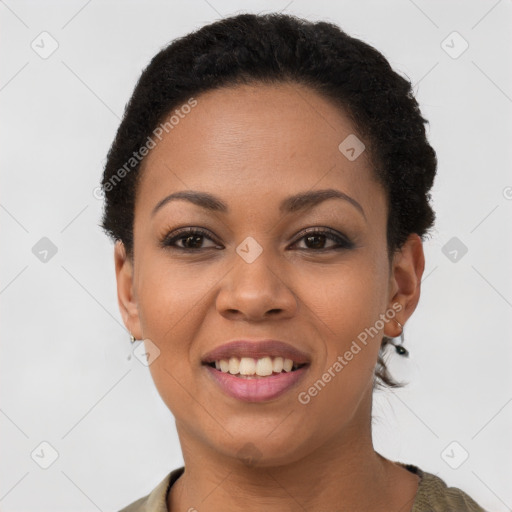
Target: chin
[[258, 449]]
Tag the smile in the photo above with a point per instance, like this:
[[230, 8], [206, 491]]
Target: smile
[[249, 367], [256, 370], [240, 377]]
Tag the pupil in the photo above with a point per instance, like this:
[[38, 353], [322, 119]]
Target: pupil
[[196, 238], [312, 237]]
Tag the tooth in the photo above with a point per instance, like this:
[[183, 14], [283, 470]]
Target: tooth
[[234, 365], [247, 366], [224, 365], [288, 365], [217, 365], [264, 367], [277, 364]]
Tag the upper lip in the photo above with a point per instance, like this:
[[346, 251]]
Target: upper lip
[[256, 349]]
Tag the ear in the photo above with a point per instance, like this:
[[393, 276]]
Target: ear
[[125, 292], [405, 282]]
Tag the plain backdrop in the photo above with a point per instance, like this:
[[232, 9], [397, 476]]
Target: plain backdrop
[[74, 398]]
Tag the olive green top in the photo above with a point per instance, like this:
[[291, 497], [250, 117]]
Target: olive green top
[[433, 495]]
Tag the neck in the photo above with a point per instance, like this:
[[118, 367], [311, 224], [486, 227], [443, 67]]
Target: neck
[[343, 474]]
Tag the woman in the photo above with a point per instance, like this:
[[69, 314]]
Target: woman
[[268, 194]]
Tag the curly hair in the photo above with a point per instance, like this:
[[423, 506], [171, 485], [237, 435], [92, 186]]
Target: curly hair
[[278, 48]]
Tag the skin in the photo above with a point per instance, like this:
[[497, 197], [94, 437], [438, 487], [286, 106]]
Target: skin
[[253, 146]]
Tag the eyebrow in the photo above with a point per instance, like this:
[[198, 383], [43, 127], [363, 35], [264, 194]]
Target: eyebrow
[[298, 202]]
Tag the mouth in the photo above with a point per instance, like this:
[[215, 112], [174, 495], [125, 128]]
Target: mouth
[[255, 368], [256, 371]]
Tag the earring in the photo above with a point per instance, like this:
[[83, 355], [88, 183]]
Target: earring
[[400, 349], [132, 338]]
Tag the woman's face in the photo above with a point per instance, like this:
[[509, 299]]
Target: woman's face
[[256, 272]]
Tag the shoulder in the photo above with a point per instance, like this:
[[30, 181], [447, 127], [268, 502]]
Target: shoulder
[[156, 500], [435, 496]]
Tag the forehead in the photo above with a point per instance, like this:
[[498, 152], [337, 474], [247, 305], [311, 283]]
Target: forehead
[[272, 140]]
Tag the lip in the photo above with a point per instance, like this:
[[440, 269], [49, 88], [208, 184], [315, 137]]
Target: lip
[[257, 389], [256, 349]]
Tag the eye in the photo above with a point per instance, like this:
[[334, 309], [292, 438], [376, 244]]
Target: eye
[[192, 240], [188, 239], [316, 238]]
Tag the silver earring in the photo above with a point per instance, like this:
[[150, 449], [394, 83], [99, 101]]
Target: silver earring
[[132, 338], [400, 349]]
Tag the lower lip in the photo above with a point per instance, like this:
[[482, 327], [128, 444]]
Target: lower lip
[[257, 389]]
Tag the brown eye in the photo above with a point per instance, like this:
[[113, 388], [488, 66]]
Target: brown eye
[[316, 239], [192, 241], [189, 239]]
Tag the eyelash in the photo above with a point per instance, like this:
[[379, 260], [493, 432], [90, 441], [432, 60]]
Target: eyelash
[[168, 242]]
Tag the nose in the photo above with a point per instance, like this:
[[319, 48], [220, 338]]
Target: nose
[[255, 292]]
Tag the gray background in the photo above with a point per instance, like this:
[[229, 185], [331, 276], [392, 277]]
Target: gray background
[[67, 375]]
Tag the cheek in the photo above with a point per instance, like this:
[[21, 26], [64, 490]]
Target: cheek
[[173, 303], [170, 297], [342, 300], [345, 307]]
